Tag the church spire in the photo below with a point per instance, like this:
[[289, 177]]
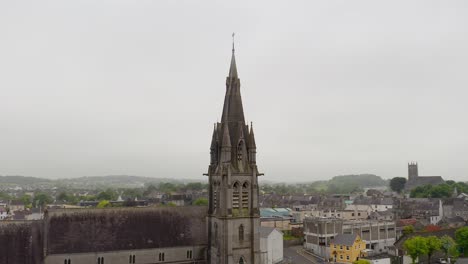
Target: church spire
[[233, 110], [233, 68]]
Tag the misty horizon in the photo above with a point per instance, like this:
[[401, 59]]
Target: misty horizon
[[332, 88]]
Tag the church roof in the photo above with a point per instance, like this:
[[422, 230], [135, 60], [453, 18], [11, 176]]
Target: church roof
[[91, 230], [423, 180]]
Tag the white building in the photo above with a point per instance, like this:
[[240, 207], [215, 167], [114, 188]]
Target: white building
[[271, 245]]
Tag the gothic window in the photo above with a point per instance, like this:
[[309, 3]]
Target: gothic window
[[240, 150], [241, 233], [189, 254], [241, 260], [235, 195], [161, 256], [215, 195], [216, 233], [245, 195], [131, 259]]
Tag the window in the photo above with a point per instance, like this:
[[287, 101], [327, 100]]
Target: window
[[359, 214], [245, 195], [131, 259], [341, 256], [161, 256], [189, 254], [100, 260], [216, 232], [347, 247], [352, 214], [69, 261], [341, 247], [215, 194], [240, 150], [235, 195], [241, 260], [334, 246], [241, 233], [347, 257]]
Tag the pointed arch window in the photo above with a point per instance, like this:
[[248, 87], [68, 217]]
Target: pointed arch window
[[240, 150], [216, 233], [241, 233], [241, 260], [235, 195], [215, 195], [245, 195]]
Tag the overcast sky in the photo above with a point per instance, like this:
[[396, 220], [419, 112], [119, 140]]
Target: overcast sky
[[134, 87]]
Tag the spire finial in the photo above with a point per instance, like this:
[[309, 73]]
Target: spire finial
[[233, 34]]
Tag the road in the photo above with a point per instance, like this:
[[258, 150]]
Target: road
[[296, 255]]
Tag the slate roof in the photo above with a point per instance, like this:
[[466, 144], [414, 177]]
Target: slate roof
[[345, 239], [266, 231], [74, 231], [423, 180]]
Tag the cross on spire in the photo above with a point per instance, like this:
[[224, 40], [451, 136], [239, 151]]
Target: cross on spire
[[233, 34]]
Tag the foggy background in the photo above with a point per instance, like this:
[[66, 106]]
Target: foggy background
[[333, 87]]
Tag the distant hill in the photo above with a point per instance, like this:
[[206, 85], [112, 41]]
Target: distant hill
[[363, 180], [88, 182], [22, 180], [348, 183]]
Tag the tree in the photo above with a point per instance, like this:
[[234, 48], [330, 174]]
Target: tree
[[397, 184], [448, 246], [104, 204], [4, 196], [433, 245], [201, 201], [108, 194], [416, 247], [461, 236], [133, 193], [26, 200], [41, 199], [408, 230]]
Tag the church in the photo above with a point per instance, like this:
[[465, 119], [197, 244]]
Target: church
[[227, 232], [414, 180]]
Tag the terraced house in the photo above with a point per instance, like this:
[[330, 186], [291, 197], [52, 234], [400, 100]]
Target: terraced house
[[347, 248]]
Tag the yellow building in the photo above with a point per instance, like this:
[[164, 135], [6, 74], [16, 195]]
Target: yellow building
[[347, 248]]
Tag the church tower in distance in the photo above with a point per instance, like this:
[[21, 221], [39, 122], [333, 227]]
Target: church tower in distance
[[233, 214]]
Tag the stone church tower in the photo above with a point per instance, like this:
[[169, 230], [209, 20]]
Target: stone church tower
[[233, 216]]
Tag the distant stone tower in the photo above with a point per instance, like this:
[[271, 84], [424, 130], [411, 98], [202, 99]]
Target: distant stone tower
[[233, 216], [413, 171]]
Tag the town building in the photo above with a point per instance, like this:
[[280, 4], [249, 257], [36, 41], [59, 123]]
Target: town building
[[347, 248], [320, 232], [271, 245], [427, 210]]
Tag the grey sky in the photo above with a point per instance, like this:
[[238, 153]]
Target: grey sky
[[333, 87]]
